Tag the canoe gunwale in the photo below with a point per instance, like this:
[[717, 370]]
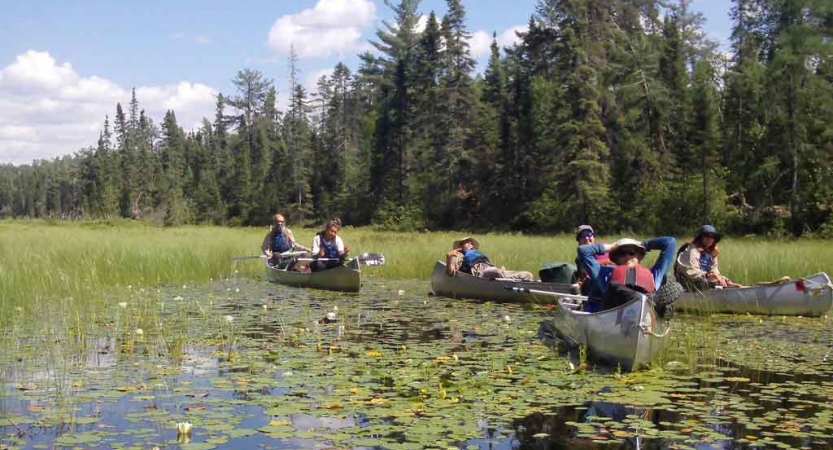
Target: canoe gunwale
[[598, 331], [463, 285], [345, 278], [809, 296]]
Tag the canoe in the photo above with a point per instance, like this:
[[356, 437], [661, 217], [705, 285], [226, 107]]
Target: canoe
[[811, 297], [629, 335], [346, 278], [463, 285]]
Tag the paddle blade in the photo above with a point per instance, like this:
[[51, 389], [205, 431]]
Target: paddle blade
[[372, 259]]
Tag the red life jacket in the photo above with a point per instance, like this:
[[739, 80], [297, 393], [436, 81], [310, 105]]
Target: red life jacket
[[635, 277]]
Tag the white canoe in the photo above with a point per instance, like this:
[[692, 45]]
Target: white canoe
[[630, 335], [346, 278], [811, 297], [463, 285]]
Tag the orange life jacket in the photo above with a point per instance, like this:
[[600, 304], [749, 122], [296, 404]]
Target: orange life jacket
[[635, 277]]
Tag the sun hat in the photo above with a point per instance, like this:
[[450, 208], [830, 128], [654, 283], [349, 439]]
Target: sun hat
[[582, 229], [622, 244], [708, 229], [459, 242]]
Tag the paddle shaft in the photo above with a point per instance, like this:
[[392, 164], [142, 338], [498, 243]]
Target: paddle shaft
[[551, 294]]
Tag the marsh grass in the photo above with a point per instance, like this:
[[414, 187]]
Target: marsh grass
[[72, 270]]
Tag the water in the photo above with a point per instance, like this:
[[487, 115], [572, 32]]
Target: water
[[398, 370]]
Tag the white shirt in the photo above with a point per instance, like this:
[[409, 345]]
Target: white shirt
[[316, 244]]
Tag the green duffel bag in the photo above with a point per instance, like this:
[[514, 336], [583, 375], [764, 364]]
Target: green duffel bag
[[557, 272]]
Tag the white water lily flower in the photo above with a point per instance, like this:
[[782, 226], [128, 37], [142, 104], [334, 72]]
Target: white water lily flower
[[139, 332], [401, 292], [331, 316], [19, 309], [184, 427], [228, 318], [236, 289], [335, 307], [265, 307], [129, 286], [178, 298], [123, 305], [507, 318], [184, 286]]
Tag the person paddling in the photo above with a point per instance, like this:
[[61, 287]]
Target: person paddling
[[465, 256], [696, 265], [611, 285], [328, 246], [278, 240]]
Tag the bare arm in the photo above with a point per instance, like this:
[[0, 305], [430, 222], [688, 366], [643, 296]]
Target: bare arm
[[451, 261], [266, 246]]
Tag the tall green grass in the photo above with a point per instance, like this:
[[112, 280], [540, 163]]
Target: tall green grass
[[45, 266]]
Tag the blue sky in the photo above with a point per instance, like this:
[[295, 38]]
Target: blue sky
[[64, 65]]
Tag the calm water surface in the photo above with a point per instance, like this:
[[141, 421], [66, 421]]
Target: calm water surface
[[254, 365]]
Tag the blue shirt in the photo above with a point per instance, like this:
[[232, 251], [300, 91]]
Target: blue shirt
[[600, 275]]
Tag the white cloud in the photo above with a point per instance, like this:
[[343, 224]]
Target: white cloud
[[421, 24], [48, 110], [202, 39], [509, 36], [331, 27], [480, 43]]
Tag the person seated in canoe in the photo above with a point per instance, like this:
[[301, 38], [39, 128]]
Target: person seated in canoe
[[328, 248], [279, 241], [466, 257], [613, 285], [696, 267], [585, 235]]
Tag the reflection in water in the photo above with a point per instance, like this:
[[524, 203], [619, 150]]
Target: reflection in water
[[390, 370]]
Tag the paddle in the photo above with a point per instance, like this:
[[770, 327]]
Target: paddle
[[539, 292], [244, 258], [368, 259]]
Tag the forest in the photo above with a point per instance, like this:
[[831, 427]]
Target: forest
[[619, 113]]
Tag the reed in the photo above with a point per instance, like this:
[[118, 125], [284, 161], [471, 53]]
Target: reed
[[72, 269]]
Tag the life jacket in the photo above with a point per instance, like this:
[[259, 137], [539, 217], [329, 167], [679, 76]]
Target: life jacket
[[472, 258], [330, 248], [280, 242], [637, 278], [706, 260]]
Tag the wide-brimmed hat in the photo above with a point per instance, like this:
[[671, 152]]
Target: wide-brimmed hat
[[622, 245], [459, 242], [708, 229], [583, 228]]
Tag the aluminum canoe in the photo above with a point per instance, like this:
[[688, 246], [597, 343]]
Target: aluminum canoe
[[629, 336], [463, 285], [346, 278], [811, 296]]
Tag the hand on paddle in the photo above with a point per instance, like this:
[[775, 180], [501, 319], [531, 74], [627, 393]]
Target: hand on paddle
[[722, 281], [268, 254]]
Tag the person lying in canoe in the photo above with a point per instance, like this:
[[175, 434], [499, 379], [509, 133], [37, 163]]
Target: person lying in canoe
[[613, 285], [466, 257], [328, 246], [581, 282], [696, 267], [280, 240]]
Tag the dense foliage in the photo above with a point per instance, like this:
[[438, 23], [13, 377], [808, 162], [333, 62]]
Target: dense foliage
[[620, 113]]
